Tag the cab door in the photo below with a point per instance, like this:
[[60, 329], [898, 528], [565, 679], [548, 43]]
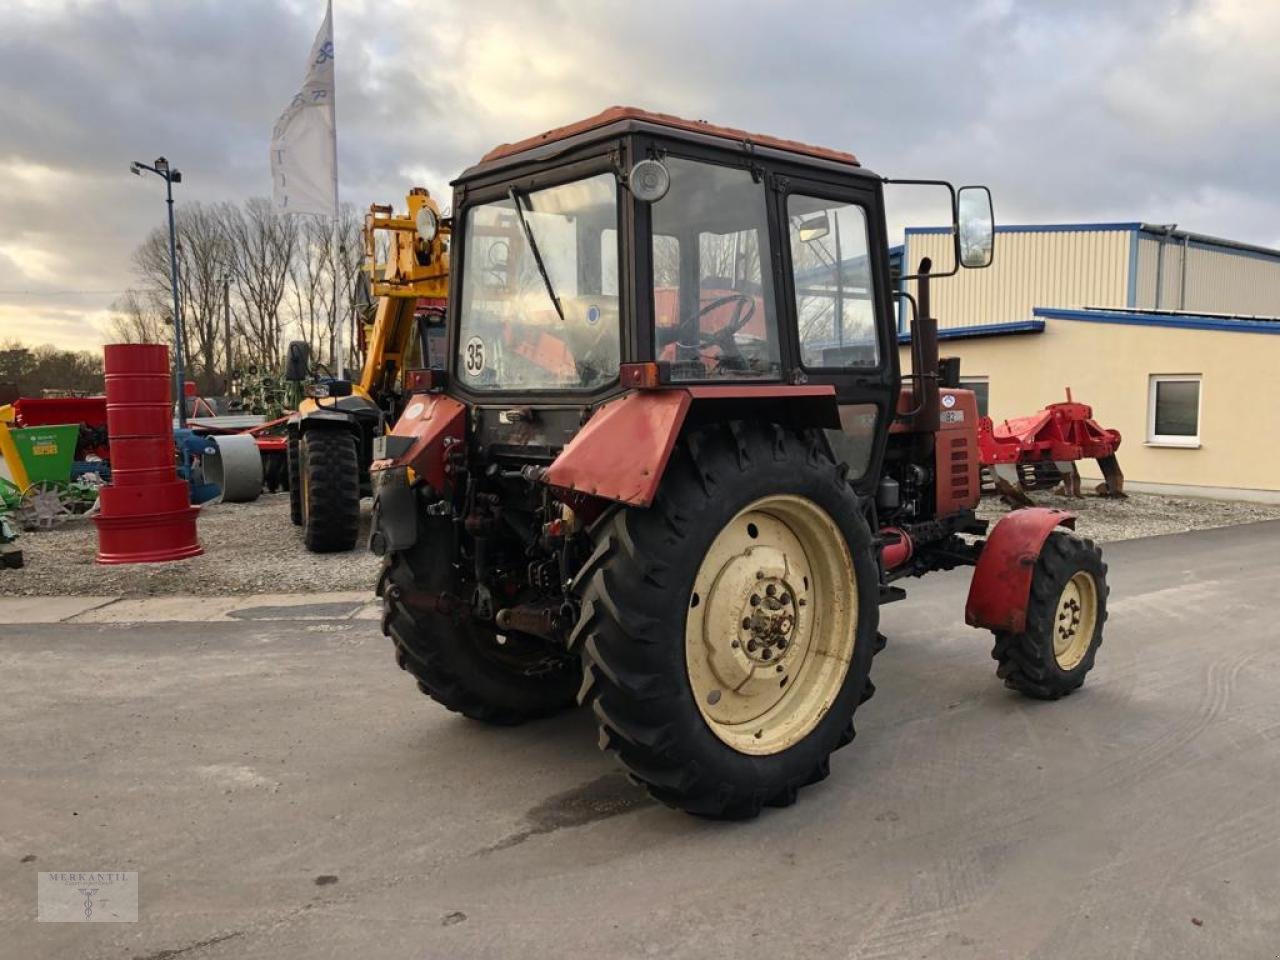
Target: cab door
[[838, 324]]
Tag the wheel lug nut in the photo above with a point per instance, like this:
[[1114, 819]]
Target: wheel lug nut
[[771, 590], [759, 574], [755, 600], [746, 623]]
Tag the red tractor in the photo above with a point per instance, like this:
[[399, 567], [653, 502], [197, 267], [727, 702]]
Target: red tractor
[[672, 469]]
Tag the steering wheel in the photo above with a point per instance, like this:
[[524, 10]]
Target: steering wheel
[[744, 310]]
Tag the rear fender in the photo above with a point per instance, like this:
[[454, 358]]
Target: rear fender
[[1001, 585], [421, 437], [622, 452]]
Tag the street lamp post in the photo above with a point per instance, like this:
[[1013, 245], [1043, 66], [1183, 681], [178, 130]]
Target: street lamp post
[[170, 176]]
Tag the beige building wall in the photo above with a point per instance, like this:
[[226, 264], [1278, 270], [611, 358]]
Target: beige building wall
[[1108, 366], [1060, 268]]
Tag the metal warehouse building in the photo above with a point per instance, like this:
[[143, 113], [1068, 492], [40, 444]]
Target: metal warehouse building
[[1172, 337]]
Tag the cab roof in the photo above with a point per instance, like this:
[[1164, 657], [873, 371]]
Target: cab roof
[[631, 119]]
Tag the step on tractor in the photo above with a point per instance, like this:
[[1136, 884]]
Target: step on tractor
[[329, 441], [672, 469]]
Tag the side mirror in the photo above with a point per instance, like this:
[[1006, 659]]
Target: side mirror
[[976, 229], [815, 228]]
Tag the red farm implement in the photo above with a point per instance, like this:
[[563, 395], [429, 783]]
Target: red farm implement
[[1040, 451]]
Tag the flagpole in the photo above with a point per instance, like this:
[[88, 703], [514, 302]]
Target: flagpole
[[339, 339]]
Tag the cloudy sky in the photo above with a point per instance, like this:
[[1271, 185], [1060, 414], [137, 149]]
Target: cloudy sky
[[1072, 110]]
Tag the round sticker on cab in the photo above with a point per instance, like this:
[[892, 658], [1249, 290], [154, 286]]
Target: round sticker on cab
[[593, 314], [473, 356], [415, 410], [948, 400]]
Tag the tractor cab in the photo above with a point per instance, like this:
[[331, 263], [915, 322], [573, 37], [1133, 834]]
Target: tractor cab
[[672, 469], [638, 245]]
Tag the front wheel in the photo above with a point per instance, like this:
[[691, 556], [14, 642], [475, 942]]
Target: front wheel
[[330, 481], [727, 631], [1065, 614]]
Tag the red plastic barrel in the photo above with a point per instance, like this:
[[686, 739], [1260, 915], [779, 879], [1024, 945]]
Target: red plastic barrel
[[146, 514]]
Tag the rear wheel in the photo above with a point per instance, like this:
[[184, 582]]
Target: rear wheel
[[727, 631], [1065, 615], [330, 481], [466, 665]]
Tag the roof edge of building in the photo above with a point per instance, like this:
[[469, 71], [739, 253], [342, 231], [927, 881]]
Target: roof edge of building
[[1176, 321]]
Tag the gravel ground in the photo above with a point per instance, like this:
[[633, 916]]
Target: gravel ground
[[253, 548], [1143, 514], [249, 548]]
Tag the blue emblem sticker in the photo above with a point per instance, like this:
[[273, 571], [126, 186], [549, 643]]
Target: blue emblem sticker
[[593, 314]]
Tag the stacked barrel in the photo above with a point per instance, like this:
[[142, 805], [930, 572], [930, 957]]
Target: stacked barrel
[[145, 513]]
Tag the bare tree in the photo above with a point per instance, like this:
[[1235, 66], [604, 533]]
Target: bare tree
[[202, 267], [261, 246], [136, 317]]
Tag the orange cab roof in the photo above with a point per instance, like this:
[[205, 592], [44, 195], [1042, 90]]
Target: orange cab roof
[[616, 114]]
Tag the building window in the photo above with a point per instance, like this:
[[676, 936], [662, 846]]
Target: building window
[[981, 387], [1173, 410]]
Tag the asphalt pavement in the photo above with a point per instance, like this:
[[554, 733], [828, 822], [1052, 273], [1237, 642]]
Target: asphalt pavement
[[283, 791]]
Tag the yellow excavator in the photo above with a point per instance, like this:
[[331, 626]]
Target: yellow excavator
[[330, 438]]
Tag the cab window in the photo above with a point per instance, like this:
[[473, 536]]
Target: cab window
[[831, 266], [714, 315]]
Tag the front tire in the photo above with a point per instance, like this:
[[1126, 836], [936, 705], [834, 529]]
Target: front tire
[[727, 631], [1065, 615], [330, 474]]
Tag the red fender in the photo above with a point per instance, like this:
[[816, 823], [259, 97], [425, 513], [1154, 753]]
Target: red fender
[[1001, 585], [428, 420], [623, 450]]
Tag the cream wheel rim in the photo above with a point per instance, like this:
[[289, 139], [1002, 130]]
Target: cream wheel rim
[[1074, 620], [769, 633]]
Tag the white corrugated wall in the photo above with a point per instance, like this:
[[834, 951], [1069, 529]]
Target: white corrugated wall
[[1218, 280], [1062, 268]]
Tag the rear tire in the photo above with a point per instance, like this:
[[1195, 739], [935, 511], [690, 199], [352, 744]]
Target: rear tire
[[294, 458], [330, 474], [655, 663], [459, 663], [1065, 616]]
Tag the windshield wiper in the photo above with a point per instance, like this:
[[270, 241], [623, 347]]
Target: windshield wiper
[[537, 255]]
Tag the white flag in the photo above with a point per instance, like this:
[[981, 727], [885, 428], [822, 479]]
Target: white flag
[[304, 162]]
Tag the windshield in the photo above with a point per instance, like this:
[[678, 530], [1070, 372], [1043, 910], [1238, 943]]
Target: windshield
[[539, 308]]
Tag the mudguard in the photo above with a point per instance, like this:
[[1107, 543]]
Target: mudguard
[[623, 450], [1001, 585], [418, 438]]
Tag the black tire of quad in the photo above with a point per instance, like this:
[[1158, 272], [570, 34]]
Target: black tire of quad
[[1026, 660], [294, 457], [636, 592], [330, 477], [458, 663]]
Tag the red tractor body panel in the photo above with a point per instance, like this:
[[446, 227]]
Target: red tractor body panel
[[430, 420], [1001, 585], [956, 464], [623, 450]]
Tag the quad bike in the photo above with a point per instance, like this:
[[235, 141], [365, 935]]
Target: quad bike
[[672, 469]]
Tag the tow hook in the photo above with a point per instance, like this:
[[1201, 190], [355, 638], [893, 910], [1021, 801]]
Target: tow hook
[[546, 620]]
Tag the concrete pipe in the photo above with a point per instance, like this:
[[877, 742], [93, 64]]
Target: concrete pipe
[[236, 467]]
